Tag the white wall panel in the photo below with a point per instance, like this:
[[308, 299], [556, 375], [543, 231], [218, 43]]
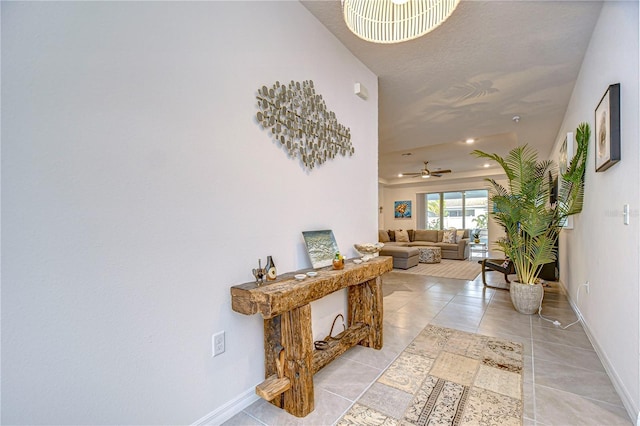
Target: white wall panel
[[601, 249], [137, 188]]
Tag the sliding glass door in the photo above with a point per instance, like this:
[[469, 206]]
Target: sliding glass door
[[453, 210], [433, 214], [459, 209]]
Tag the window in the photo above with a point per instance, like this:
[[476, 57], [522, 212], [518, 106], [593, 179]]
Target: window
[[433, 213], [461, 209]]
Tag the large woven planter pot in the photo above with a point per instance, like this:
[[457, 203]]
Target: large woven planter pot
[[526, 298]]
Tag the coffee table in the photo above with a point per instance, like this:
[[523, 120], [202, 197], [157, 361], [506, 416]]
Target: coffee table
[[429, 254]]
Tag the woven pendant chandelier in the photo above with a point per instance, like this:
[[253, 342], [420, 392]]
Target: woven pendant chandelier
[[393, 21]]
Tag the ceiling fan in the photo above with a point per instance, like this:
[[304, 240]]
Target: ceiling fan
[[425, 173]]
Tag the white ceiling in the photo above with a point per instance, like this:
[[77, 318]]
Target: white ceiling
[[490, 61]]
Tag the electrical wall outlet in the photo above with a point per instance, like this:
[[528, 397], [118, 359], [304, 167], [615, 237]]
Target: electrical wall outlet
[[217, 343]]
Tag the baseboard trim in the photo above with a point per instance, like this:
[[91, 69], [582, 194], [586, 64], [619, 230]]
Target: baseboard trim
[[627, 401], [228, 410]]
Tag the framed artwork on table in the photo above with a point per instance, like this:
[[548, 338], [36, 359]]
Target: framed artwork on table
[[607, 129], [402, 209], [321, 247]]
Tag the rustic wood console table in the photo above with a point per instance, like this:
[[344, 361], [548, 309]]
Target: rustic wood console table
[[289, 355]]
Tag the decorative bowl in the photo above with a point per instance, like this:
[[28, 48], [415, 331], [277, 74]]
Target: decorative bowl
[[300, 276], [312, 273], [368, 250]]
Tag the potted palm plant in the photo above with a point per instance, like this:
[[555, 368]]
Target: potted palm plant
[[531, 220]]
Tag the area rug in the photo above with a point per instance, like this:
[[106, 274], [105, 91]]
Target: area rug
[[446, 377], [460, 269]]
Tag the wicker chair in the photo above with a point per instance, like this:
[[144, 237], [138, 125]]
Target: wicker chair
[[504, 266]]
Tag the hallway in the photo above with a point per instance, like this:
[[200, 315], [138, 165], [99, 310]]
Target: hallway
[[564, 380]]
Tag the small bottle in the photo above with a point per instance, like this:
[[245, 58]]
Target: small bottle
[[338, 261], [270, 269]]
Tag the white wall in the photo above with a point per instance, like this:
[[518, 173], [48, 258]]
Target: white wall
[[601, 249], [138, 188]]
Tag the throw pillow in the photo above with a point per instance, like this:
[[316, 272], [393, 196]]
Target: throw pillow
[[449, 236], [383, 236], [459, 235], [402, 236]]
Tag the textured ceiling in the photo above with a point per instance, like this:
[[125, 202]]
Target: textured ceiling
[[490, 61]]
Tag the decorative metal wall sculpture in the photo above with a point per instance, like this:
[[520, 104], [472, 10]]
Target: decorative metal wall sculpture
[[300, 122]]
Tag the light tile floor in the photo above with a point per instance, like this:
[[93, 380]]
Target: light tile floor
[[564, 380]]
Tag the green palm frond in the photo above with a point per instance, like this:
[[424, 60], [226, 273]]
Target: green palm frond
[[531, 223], [571, 190]]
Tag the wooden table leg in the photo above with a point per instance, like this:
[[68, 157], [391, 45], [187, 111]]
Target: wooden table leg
[[365, 306], [297, 340], [272, 349]]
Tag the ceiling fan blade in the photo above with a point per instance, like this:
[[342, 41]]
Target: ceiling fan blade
[[426, 172]]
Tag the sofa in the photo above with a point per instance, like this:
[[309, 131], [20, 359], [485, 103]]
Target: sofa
[[424, 237], [403, 257]]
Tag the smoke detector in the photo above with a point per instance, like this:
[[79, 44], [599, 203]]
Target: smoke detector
[[516, 119]]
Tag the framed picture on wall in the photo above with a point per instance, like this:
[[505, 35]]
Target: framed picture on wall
[[607, 129], [566, 152], [402, 209], [564, 159]]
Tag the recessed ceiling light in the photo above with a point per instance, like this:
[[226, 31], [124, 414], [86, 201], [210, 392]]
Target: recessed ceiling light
[[485, 165], [470, 140], [400, 175], [406, 154]]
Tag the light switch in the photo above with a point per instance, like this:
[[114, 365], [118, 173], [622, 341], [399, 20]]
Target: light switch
[[625, 214]]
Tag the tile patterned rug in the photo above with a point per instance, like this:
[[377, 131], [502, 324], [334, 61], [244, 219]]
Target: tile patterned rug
[[448, 268], [446, 377]]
